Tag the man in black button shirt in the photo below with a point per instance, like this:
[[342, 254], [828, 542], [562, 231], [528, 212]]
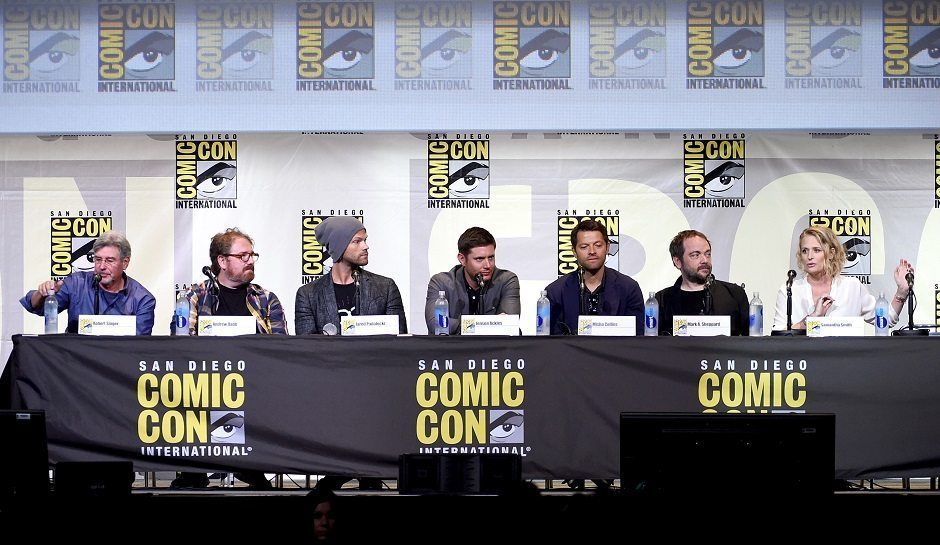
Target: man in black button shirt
[[692, 254]]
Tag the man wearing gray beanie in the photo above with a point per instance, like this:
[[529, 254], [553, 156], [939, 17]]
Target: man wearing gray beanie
[[347, 290]]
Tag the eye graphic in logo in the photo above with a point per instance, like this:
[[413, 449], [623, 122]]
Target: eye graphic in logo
[[855, 249], [721, 181], [740, 54], [227, 427], [641, 54], [82, 258], [55, 58], [349, 56], [506, 427], [611, 260], [446, 56], [150, 56], [216, 182], [468, 177], [837, 53], [925, 53], [546, 55], [249, 57]]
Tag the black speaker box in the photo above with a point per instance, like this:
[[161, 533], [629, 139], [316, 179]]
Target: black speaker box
[[94, 479], [24, 462], [458, 473]]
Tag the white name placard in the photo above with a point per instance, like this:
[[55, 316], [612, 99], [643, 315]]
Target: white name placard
[[106, 324], [226, 326], [378, 324], [835, 326], [609, 326], [497, 324], [701, 326]]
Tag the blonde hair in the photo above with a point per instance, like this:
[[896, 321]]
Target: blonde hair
[[835, 252]]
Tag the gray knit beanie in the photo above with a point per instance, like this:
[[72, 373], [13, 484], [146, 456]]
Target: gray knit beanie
[[335, 233]]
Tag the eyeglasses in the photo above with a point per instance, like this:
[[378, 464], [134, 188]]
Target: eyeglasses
[[106, 260], [245, 256]]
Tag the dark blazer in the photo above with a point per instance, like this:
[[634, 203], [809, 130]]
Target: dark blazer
[[621, 297], [728, 299], [316, 302], [501, 296]]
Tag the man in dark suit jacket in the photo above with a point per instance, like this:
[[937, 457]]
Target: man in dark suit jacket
[[593, 289], [691, 253], [348, 289], [475, 286]]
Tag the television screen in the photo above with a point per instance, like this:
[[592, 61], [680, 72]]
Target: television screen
[[24, 459], [707, 455]]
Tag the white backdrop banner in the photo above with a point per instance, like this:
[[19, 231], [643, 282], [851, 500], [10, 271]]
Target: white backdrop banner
[[415, 193]]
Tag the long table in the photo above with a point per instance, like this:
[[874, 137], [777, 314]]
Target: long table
[[335, 405]]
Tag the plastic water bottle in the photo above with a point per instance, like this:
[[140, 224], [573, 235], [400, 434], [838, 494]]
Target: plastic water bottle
[[651, 316], [756, 317], [881, 315], [441, 315], [50, 311], [543, 314], [181, 316]]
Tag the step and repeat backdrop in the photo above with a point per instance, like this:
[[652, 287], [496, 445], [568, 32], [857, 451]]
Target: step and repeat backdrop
[[416, 192], [163, 66]]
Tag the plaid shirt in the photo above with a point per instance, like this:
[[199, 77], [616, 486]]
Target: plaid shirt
[[263, 305]]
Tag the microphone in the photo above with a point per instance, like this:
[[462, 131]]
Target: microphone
[[910, 279], [97, 288], [478, 278], [208, 272], [355, 274], [213, 286], [791, 274], [329, 329], [709, 280]]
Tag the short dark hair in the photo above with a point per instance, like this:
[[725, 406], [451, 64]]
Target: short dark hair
[[589, 225], [474, 237], [222, 244], [677, 246]]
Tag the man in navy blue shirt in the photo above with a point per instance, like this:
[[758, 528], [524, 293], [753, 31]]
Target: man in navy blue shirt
[[116, 293]]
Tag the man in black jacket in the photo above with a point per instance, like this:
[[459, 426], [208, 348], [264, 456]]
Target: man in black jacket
[[697, 292]]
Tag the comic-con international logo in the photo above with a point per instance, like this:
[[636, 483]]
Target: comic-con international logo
[[315, 261], [627, 45], [713, 170], [206, 171], [458, 171], [40, 46], [193, 408], [936, 307], [234, 46], [531, 45], [335, 46], [136, 46], [752, 386], [936, 172], [433, 43], [725, 44], [72, 235], [853, 227], [823, 44], [471, 406], [911, 44], [567, 220]]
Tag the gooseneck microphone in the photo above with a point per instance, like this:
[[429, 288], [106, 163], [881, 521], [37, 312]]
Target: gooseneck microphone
[[97, 291], [481, 283], [709, 281], [355, 275], [910, 280], [791, 274], [213, 286]]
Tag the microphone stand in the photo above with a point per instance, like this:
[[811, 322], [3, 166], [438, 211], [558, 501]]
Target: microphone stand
[[910, 331], [97, 293], [789, 331]]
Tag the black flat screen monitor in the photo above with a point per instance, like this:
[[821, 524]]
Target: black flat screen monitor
[[24, 459], [706, 455]]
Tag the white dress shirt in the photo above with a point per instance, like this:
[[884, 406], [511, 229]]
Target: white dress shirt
[[850, 298]]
